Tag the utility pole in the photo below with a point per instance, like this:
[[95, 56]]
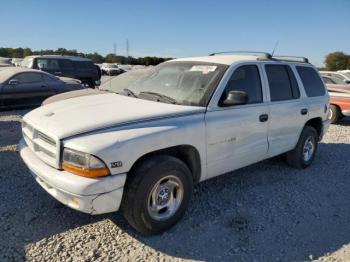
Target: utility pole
[[127, 48]]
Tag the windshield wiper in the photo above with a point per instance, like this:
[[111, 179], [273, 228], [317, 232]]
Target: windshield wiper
[[160, 97], [129, 92]]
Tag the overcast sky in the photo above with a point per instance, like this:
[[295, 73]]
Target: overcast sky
[[179, 28]]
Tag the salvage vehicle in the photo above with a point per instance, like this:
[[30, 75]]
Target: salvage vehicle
[[338, 77], [20, 87], [339, 100], [142, 147], [110, 69], [76, 67]]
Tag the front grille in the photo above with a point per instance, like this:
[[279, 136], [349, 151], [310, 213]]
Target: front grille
[[41, 144]]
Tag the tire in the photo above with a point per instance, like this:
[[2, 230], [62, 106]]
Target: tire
[[143, 180], [87, 84], [334, 114], [296, 158]]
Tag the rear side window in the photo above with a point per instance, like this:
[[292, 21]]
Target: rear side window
[[84, 65], [312, 82], [282, 83], [246, 78], [27, 78], [66, 64]]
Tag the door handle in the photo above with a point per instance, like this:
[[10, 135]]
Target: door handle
[[303, 111], [264, 117], [58, 73]]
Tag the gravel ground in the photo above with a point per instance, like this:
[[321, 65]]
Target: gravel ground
[[265, 212]]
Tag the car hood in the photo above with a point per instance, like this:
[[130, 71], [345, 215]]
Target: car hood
[[88, 113]]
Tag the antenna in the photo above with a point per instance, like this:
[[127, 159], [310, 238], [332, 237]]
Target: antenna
[[274, 49]]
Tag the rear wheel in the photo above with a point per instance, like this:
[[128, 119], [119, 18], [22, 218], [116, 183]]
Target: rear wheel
[[304, 153], [334, 114], [157, 194]]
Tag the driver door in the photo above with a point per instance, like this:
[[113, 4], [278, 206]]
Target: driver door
[[237, 135]]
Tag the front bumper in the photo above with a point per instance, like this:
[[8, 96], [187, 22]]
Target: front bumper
[[346, 112], [93, 196]]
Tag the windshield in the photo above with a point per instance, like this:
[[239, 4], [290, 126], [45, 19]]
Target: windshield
[[110, 66], [184, 83], [347, 74]]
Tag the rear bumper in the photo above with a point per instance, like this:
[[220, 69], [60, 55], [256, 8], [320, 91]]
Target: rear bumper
[[97, 82], [93, 196]]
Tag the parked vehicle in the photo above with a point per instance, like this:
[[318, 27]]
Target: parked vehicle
[[115, 85], [110, 69], [16, 61], [339, 100], [21, 87], [67, 66], [5, 62], [338, 77], [142, 147]]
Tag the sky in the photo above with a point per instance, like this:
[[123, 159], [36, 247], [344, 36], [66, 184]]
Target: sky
[[179, 28]]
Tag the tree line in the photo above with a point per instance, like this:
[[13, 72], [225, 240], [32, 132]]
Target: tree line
[[96, 57], [333, 61]]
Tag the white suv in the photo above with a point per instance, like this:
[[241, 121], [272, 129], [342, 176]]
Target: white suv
[[143, 145]]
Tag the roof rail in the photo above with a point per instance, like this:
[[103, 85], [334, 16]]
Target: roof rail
[[291, 58], [260, 54]]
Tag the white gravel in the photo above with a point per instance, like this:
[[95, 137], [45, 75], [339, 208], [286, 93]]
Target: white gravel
[[265, 212]]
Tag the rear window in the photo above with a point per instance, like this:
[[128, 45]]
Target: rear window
[[311, 80], [282, 83]]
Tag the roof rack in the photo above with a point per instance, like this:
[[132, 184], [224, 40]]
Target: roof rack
[[260, 54], [291, 58]]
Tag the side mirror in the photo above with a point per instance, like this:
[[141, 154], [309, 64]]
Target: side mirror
[[234, 98], [347, 81], [13, 82]]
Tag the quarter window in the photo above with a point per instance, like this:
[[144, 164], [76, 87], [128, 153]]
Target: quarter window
[[247, 79], [311, 80], [48, 64], [282, 83]]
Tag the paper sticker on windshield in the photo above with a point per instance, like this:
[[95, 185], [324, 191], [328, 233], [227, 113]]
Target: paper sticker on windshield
[[203, 68]]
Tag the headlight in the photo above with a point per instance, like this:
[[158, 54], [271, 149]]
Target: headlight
[[83, 164]]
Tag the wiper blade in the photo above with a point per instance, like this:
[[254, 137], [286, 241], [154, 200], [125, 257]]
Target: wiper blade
[[160, 97], [129, 92]]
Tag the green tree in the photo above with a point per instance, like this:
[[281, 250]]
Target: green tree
[[337, 61]]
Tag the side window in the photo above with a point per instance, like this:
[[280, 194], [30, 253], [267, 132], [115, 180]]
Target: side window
[[66, 64], [312, 82], [246, 78], [48, 64], [282, 83], [27, 78], [49, 78]]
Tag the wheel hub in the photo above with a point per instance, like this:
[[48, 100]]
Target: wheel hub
[[308, 149]]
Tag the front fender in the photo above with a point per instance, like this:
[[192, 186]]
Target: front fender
[[129, 143]]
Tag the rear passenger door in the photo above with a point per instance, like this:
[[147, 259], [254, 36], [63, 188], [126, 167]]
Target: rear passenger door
[[67, 68], [288, 110], [315, 91]]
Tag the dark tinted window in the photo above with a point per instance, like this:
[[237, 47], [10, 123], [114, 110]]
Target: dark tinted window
[[246, 78], [66, 64], [282, 83], [312, 82], [26, 78], [49, 78], [84, 65]]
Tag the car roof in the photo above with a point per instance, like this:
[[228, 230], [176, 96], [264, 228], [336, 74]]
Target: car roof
[[5, 74], [231, 59], [73, 58]]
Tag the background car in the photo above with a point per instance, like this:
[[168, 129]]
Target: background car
[[67, 66], [110, 69], [28, 87], [339, 99], [5, 62], [337, 77]]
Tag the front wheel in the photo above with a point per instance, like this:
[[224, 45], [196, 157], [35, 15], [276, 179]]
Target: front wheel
[[157, 194], [304, 153]]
